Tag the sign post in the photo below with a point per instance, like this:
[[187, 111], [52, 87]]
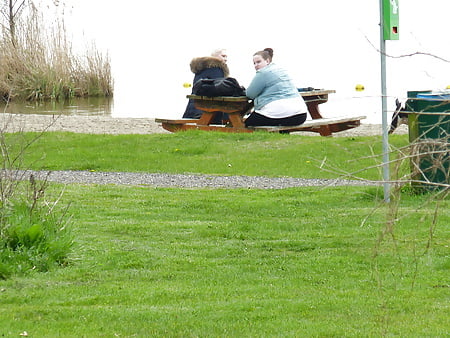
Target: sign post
[[390, 20], [389, 30]]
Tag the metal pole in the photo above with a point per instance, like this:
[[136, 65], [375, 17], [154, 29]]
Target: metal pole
[[384, 121]]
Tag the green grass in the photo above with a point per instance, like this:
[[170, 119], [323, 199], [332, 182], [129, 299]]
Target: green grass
[[293, 262], [300, 262], [258, 154], [32, 237]]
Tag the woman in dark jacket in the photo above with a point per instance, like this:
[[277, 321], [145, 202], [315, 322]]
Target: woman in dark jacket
[[207, 67]]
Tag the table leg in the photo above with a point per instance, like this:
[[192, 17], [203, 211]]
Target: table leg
[[325, 131], [313, 108], [206, 118], [312, 103], [236, 120]]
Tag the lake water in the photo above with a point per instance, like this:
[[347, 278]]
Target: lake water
[[81, 106]]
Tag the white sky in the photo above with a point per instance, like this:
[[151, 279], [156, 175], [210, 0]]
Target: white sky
[[324, 44]]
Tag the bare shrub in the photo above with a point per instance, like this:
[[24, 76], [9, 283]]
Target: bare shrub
[[430, 163]]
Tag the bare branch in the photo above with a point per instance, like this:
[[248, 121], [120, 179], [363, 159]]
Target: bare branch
[[406, 55]]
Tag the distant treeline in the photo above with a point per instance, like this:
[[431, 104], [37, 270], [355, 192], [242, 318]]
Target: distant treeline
[[38, 63]]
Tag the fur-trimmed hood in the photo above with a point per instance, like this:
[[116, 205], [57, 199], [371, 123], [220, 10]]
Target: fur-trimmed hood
[[205, 62]]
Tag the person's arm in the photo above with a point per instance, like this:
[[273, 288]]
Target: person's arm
[[256, 86]]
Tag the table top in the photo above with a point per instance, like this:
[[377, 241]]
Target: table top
[[245, 98], [218, 98], [317, 92]]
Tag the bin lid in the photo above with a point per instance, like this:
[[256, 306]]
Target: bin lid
[[440, 95]]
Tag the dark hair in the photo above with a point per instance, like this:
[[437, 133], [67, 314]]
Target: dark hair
[[266, 54]]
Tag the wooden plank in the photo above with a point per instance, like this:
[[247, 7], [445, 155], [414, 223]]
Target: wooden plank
[[319, 122], [188, 126], [219, 98], [226, 104], [176, 121], [334, 124], [331, 120], [223, 106], [317, 92]]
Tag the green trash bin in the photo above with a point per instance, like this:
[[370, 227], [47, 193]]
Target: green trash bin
[[429, 136]]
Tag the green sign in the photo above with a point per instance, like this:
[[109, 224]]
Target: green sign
[[390, 20]]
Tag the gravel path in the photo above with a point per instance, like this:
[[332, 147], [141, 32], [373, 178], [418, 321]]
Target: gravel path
[[187, 181]]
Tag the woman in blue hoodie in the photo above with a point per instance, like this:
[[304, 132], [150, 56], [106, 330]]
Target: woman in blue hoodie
[[276, 98]]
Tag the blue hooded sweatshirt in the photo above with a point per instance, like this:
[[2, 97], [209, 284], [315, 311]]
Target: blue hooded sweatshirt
[[271, 83]]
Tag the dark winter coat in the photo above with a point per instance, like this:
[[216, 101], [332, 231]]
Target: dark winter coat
[[207, 67]]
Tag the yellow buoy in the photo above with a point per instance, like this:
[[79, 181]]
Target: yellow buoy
[[448, 87], [359, 87], [187, 85]]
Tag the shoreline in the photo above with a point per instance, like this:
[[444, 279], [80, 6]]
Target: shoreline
[[99, 124]]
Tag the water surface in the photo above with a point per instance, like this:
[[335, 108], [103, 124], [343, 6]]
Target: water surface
[[74, 107]]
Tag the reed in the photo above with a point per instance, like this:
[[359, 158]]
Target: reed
[[40, 64]]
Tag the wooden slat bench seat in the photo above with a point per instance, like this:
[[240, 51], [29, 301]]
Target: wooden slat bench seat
[[188, 124], [324, 126], [177, 121]]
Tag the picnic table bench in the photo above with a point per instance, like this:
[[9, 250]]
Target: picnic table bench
[[238, 107]]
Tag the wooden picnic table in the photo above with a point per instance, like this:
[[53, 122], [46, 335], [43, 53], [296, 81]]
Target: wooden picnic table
[[238, 107]]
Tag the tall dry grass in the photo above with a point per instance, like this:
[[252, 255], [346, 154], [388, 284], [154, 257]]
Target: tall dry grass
[[40, 64]]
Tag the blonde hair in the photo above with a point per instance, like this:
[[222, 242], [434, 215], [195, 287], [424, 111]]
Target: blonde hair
[[217, 52]]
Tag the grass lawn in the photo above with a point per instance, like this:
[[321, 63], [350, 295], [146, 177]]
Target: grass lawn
[[256, 154], [245, 262]]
